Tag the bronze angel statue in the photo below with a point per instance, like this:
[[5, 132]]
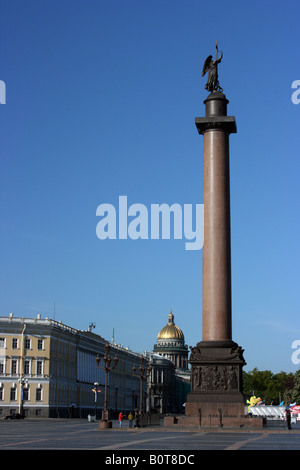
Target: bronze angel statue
[[211, 66]]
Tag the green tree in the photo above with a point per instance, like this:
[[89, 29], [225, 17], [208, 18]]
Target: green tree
[[296, 388], [271, 388], [276, 387]]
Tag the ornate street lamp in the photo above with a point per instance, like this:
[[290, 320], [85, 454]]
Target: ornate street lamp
[[23, 383], [96, 390], [142, 376], [105, 423]]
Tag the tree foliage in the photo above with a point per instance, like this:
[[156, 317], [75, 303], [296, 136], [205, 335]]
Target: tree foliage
[[292, 392], [272, 388]]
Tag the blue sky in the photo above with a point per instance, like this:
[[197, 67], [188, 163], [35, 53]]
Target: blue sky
[[101, 100]]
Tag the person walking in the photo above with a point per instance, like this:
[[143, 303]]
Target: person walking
[[121, 416]]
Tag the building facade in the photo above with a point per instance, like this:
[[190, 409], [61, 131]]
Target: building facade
[[172, 391], [49, 369], [170, 344], [161, 385]]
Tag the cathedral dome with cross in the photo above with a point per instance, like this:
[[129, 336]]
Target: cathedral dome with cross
[[170, 344], [170, 331]]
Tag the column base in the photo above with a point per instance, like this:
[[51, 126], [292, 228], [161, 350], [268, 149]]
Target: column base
[[216, 380], [105, 425], [213, 422]]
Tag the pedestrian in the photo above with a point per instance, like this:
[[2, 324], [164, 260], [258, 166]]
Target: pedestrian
[[137, 419], [121, 416], [288, 418], [130, 418]]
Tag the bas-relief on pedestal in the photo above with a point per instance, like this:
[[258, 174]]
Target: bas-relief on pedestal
[[218, 371], [216, 379]]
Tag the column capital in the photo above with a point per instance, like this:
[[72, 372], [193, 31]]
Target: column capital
[[224, 123]]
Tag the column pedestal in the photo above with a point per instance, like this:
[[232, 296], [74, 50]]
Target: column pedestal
[[216, 380]]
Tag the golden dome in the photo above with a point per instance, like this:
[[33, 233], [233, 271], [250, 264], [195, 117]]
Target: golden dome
[[170, 331]]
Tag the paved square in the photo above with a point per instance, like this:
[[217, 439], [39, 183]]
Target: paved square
[[82, 435]]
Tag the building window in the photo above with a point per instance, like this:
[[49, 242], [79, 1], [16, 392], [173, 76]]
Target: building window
[[39, 367], [38, 394], [15, 343], [2, 366], [25, 392], [2, 342], [40, 344], [14, 367], [1, 394], [27, 343], [13, 394], [27, 366]]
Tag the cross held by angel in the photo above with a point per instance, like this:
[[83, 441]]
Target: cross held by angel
[[211, 66]]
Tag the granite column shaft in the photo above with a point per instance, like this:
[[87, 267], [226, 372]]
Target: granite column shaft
[[216, 292]]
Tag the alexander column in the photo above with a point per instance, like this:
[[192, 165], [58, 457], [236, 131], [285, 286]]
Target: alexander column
[[216, 361]]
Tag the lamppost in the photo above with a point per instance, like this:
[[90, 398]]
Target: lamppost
[[142, 376], [23, 382], [105, 423], [96, 390]]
